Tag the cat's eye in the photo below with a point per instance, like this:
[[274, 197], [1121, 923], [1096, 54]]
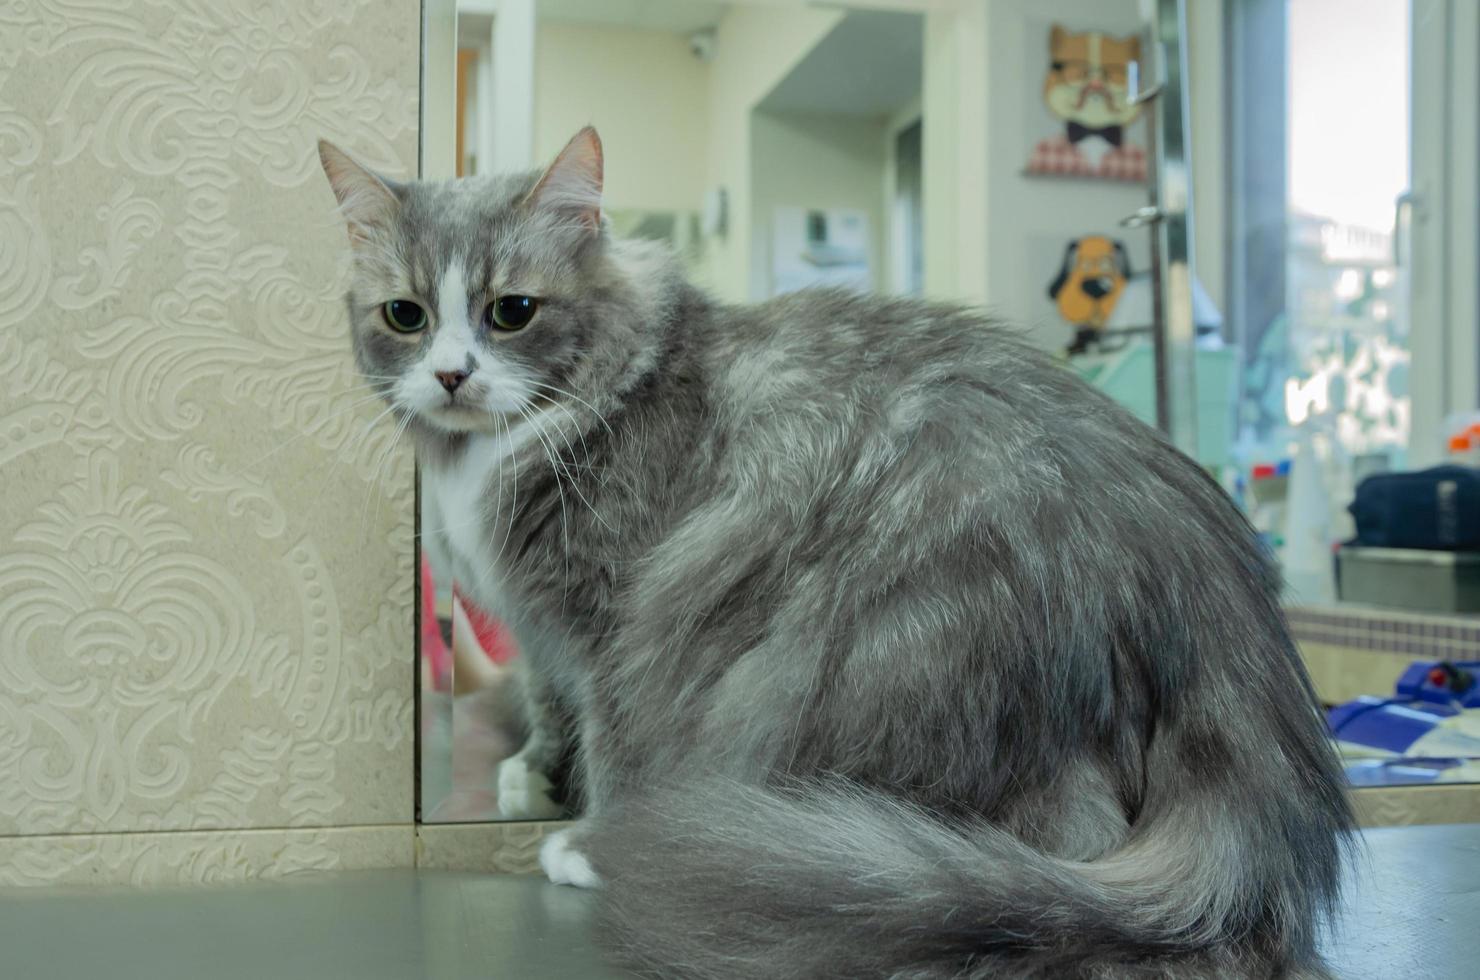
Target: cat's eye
[[404, 316], [510, 313]]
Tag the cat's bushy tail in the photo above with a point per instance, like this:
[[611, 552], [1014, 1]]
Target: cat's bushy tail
[[722, 880]]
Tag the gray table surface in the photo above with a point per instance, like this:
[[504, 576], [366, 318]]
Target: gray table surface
[[1412, 910]]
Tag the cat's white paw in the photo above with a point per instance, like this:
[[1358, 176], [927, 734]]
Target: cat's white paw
[[523, 793], [564, 865]]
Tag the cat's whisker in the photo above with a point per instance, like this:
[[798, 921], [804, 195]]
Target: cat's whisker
[[580, 433], [575, 424], [389, 466], [376, 478], [498, 502], [370, 487], [442, 528], [571, 395], [349, 449], [476, 520], [548, 449], [570, 477], [359, 440], [311, 429], [566, 464], [514, 496]]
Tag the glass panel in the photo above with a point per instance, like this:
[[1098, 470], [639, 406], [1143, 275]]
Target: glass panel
[[833, 144], [1324, 399], [1322, 284], [780, 146], [435, 674]]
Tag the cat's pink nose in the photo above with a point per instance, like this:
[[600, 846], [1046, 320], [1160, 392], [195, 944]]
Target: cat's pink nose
[[451, 379]]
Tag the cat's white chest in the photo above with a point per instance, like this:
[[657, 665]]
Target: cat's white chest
[[468, 513], [459, 491]]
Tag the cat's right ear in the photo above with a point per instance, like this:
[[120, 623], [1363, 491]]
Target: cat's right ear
[[367, 200], [572, 184]]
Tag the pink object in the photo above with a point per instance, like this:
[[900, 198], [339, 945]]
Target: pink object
[[495, 639], [493, 636], [1060, 158], [432, 646]]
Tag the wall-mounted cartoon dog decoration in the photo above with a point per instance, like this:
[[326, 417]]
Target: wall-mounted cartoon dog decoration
[[1089, 285], [1087, 88]]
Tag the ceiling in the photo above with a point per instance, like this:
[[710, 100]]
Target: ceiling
[[674, 16], [869, 65]]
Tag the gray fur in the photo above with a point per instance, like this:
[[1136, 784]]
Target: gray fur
[[895, 649]]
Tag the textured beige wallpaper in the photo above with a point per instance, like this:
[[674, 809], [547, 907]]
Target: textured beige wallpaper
[[205, 545]]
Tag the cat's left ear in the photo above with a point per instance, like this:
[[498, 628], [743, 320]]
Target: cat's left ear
[[367, 200], [572, 184]]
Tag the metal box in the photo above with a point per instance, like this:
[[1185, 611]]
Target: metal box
[[1425, 581]]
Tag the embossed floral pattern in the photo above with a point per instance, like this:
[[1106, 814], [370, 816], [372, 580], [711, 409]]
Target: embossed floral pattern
[[205, 539]]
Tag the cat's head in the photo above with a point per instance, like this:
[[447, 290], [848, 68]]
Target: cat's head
[[476, 301]]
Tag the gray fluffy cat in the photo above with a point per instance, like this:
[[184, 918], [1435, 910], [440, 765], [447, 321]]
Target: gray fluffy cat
[[884, 645]]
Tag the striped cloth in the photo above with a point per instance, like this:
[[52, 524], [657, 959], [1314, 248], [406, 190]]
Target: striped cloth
[[1060, 158]]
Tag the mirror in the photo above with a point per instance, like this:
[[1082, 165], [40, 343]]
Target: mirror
[[776, 145], [824, 187], [1337, 295]]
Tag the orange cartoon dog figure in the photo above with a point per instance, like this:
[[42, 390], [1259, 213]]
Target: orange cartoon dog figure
[[1089, 285]]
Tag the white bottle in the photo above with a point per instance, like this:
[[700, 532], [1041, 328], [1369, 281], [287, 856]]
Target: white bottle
[[1308, 565]]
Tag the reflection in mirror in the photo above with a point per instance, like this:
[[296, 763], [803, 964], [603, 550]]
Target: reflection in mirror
[[1338, 435], [835, 197], [1324, 301], [475, 710], [1321, 376]]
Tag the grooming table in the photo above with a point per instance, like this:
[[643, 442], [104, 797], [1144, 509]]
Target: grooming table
[[1411, 908]]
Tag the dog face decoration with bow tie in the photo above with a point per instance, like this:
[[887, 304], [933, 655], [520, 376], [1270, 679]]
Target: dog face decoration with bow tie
[[1087, 87]]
